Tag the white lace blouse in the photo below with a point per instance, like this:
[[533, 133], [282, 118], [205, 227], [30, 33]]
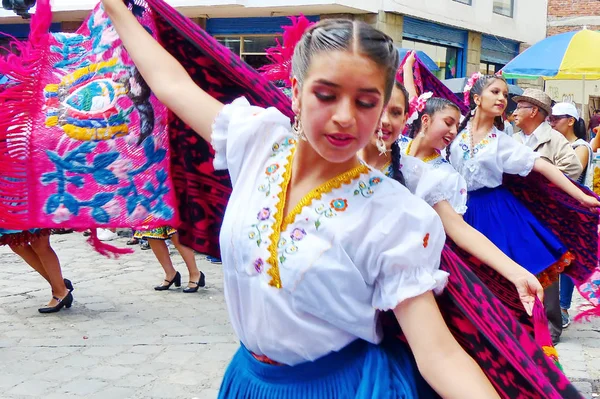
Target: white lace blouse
[[485, 163], [433, 181], [301, 286]]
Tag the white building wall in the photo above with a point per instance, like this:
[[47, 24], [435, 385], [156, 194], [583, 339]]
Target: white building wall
[[528, 24]]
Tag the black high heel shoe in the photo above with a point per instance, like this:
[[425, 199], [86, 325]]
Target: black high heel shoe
[[66, 302], [176, 280], [68, 284], [201, 283]]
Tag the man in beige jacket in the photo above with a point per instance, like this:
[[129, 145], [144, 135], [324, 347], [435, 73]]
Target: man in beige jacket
[[533, 107]]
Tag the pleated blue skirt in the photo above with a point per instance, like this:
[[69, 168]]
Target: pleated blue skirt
[[359, 371], [505, 221]]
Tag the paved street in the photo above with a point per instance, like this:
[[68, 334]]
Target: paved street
[[122, 339]]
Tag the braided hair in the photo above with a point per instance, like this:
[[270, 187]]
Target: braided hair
[[396, 153]]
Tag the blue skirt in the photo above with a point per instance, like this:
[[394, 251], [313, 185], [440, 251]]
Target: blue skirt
[[359, 371], [505, 221]]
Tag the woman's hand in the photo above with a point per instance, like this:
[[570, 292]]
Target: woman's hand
[[528, 287], [590, 202], [410, 61], [407, 74], [110, 3]]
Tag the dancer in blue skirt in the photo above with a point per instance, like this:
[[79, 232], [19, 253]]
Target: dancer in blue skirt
[[315, 243], [482, 154]]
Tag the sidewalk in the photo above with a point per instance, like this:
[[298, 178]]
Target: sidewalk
[[122, 339]]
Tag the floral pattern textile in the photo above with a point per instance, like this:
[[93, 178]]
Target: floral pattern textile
[[100, 148]]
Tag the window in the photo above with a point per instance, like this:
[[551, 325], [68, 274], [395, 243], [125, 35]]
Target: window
[[504, 7], [467, 2], [447, 58], [251, 48], [487, 68]]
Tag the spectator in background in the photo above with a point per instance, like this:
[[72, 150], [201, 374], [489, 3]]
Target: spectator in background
[[533, 107], [594, 122], [508, 124], [565, 119]]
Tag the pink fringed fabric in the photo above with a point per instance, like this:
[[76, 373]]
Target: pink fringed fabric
[[542, 334], [425, 81], [574, 224], [83, 142]]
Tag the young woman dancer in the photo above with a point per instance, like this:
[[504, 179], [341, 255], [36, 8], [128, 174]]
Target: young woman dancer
[[482, 155], [307, 251], [157, 240], [33, 246], [431, 177]]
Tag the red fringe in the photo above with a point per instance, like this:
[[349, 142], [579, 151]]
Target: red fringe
[[20, 101], [107, 250]]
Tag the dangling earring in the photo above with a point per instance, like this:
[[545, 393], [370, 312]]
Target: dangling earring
[[297, 129], [380, 143], [422, 132]]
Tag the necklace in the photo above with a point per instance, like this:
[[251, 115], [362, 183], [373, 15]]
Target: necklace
[[471, 150], [386, 166], [426, 159]]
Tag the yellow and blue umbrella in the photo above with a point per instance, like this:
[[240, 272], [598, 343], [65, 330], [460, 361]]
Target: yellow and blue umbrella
[[568, 56]]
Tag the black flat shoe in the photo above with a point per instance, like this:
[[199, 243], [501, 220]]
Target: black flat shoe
[[66, 302], [68, 284], [200, 283], [176, 280]]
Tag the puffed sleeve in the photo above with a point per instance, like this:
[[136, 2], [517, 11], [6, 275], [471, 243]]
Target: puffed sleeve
[[516, 158], [405, 246], [444, 184], [240, 130]]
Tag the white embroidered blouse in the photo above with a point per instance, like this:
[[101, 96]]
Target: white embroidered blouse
[[485, 163], [301, 286], [433, 181]]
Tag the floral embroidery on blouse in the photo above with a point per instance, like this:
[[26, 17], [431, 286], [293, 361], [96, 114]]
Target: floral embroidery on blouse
[[277, 176], [261, 226], [272, 177], [366, 189], [258, 265], [335, 206], [290, 247], [404, 143], [465, 144], [283, 146], [426, 240], [389, 170]]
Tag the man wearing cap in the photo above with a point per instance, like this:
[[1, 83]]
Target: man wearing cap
[[533, 107]]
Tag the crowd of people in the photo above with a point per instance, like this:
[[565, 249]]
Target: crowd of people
[[356, 220]]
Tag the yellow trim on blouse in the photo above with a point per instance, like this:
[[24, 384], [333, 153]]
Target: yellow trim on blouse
[[281, 223]]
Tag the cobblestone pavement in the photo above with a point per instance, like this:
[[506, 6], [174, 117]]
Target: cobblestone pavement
[[122, 339]]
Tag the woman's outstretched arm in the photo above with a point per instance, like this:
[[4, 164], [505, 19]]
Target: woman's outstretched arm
[[165, 76]]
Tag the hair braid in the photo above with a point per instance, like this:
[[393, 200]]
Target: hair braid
[[396, 156]]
